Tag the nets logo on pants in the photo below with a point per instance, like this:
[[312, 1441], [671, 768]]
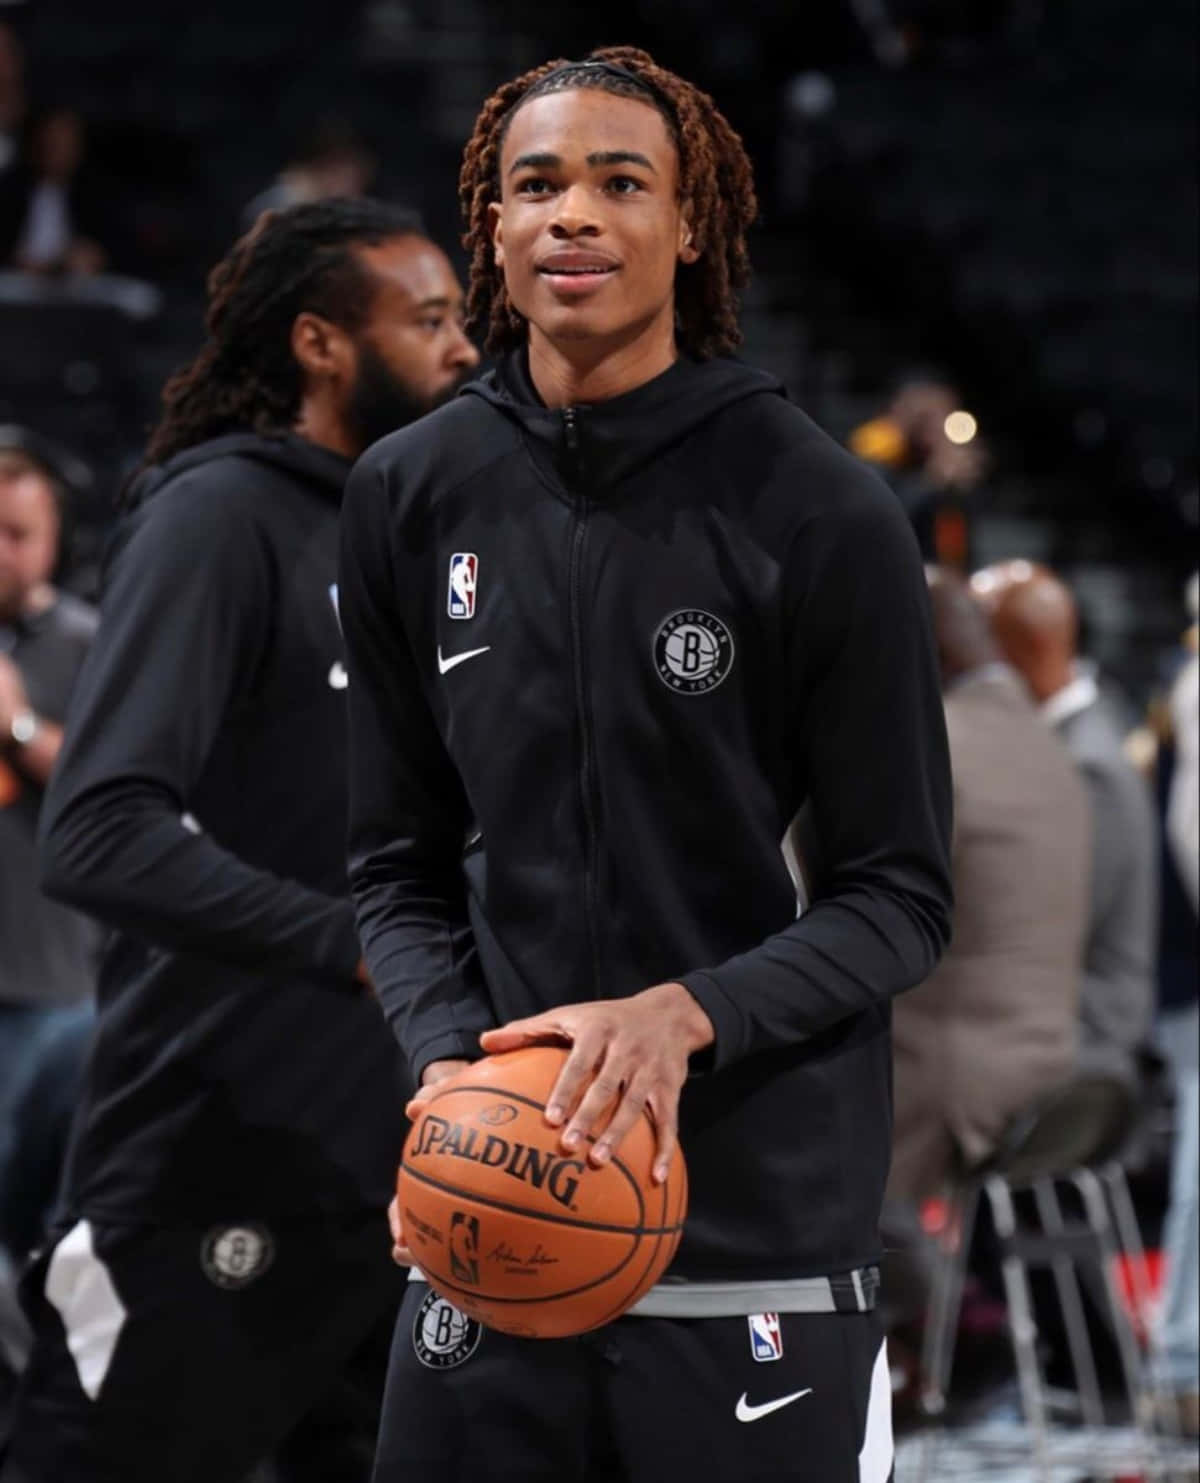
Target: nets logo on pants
[[443, 1336], [464, 573], [233, 1256]]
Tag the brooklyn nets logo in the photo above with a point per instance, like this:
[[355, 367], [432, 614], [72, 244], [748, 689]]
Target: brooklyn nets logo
[[444, 1337], [233, 1256], [693, 651]]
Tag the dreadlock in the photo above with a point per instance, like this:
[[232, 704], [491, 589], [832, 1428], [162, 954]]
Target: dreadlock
[[245, 376], [714, 177]]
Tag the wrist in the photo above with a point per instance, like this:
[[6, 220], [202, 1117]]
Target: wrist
[[442, 1071], [691, 1025]]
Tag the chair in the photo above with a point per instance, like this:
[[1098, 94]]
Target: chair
[[1072, 1139]]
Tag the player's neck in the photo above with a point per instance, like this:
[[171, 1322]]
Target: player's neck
[[579, 371], [318, 423]]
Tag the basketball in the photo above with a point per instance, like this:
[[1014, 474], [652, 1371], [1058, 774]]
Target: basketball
[[514, 1231]]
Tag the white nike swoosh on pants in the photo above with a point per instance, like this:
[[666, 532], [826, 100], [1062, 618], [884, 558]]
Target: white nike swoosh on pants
[[446, 665], [744, 1411], [878, 1454], [78, 1285]]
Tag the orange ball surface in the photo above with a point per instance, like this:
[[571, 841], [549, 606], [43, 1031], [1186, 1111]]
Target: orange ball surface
[[515, 1231]]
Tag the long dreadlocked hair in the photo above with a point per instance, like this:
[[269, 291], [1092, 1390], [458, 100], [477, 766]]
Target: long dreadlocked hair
[[245, 376], [714, 177]]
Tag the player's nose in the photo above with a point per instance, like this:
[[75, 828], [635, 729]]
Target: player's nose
[[462, 355], [574, 215]]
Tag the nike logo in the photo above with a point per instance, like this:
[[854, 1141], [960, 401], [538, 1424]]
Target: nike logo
[[338, 678], [446, 665], [746, 1412]]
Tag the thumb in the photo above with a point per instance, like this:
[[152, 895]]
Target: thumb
[[508, 1037], [538, 1027]]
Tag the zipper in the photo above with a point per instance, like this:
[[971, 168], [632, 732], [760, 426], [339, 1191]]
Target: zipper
[[588, 788]]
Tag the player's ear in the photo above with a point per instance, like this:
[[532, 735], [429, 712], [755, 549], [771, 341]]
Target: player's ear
[[321, 348], [687, 248], [495, 226]]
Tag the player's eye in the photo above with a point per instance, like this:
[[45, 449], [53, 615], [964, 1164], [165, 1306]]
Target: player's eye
[[625, 185], [534, 185]]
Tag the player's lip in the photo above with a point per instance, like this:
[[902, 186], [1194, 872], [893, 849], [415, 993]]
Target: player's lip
[[575, 264]]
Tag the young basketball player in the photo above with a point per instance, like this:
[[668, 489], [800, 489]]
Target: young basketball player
[[613, 618], [215, 1272]]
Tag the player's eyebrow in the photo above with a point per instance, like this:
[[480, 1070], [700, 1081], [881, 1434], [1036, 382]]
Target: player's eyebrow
[[546, 161], [437, 302], [620, 157]]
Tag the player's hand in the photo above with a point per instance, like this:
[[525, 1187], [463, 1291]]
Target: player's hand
[[13, 699], [436, 1071], [627, 1056]]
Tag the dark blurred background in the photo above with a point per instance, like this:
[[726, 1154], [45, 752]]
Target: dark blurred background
[[979, 206]]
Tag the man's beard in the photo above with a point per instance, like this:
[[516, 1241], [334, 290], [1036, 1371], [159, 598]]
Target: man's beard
[[381, 402]]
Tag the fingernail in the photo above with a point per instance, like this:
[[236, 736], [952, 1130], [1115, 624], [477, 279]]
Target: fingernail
[[571, 1139], [601, 1153], [554, 1113], [660, 1174]]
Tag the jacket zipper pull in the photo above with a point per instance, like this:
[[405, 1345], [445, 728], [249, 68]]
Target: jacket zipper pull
[[570, 430]]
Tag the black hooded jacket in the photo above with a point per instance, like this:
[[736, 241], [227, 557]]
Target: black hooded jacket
[[691, 615], [199, 809]]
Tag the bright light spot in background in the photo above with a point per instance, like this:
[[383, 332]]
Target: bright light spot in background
[[960, 427]]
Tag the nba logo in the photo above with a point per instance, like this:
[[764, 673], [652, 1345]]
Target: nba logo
[[460, 601], [464, 1247], [766, 1336]]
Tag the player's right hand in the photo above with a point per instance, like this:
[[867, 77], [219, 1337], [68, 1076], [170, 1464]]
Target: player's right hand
[[436, 1071]]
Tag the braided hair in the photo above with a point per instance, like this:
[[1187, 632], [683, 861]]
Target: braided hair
[[246, 376], [714, 177]]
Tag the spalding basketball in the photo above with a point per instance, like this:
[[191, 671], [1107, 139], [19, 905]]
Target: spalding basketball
[[518, 1233]]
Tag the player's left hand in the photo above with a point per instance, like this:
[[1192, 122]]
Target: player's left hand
[[627, 1056]]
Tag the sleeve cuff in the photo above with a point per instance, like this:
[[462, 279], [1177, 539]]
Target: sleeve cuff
[[728, 1022], [454, 1046]]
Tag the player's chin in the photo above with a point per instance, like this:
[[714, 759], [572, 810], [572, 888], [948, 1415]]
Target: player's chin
[[575, 324]]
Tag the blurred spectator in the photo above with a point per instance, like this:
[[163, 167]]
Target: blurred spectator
[[1178, 778], [50, 211], [996, 1025], [1036, 623], [47, 953], [926, 445], [12, 97], [331, 161], [1183, 811]]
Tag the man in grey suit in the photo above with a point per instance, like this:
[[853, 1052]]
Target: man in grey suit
[[995, 1027], [1035, 621]]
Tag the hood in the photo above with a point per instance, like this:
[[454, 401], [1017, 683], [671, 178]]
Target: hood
[[325, 470], [601, 443]]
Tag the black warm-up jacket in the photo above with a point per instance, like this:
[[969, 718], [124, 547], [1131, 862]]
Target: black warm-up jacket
[[198, 808], [691, 615]]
